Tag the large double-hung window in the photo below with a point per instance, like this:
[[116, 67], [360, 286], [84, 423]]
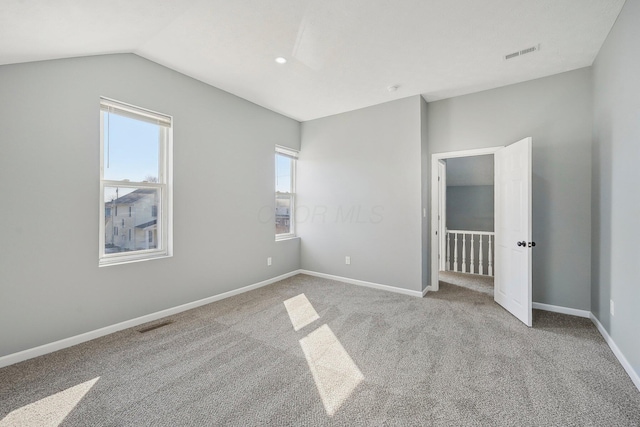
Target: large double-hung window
[[135, 183], [285, 191]]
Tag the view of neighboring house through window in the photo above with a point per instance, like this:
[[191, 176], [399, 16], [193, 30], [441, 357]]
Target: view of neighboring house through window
[[285, 191], [134, 183]]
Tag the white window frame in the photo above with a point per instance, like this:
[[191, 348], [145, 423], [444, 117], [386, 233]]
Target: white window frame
[[293, 155], [164, 185]]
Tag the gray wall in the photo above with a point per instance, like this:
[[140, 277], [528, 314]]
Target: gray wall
[[470, 207], [359, 194], [556, 112], [616, 174], [50, 284], [426, 193]]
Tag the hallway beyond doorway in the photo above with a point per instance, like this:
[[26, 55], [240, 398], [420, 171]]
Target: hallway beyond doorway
[[474, 282]]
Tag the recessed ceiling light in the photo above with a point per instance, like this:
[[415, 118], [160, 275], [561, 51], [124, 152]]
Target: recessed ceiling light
[[281, 60]]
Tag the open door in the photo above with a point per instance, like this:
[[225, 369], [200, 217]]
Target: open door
[[513, 243]]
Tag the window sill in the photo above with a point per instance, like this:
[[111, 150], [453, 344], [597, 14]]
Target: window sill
[[286, 237], [107, 262]]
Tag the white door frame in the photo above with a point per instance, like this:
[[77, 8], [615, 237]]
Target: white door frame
[[442, 211], [435, 238]]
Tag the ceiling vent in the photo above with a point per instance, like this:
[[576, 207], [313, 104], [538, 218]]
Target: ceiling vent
[[522, 52]]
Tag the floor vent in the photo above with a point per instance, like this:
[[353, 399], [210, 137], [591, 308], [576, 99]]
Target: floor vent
[[156, 326], [522, 52]]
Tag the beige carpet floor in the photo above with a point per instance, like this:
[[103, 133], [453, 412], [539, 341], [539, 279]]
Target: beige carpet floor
[[311, 352]]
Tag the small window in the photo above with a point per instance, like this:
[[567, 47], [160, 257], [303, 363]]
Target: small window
[[135, 175], [285, 192]]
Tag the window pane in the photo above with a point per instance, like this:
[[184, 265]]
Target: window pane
[[131, 222], [283, 213], [131, 149], [283, 174]]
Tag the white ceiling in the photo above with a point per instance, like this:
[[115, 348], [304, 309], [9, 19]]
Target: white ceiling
[[342, 55], [475, 170]]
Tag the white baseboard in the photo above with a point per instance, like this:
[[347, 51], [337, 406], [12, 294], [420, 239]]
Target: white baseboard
[[363, 283], [427, 289], [10, 359], [562, 310], [616, 351]]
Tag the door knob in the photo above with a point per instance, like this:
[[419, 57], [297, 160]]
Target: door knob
[[523, 243]]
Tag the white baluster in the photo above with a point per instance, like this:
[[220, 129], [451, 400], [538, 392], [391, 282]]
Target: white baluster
[[472, 265], [455, 252], [489, 256], [448, 245], [480, 266], [464, 253]]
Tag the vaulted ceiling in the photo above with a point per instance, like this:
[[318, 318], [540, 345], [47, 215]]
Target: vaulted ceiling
[[341, 54]]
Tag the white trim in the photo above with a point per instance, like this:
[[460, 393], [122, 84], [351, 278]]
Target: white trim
[[164, 217], [425, 290], [286, 151], [363, 283], [293, 156], [442, 215], [119, 107], [467, 153], [435, 201], [283, 236], [10, 359], [561, 310], [616, 351]]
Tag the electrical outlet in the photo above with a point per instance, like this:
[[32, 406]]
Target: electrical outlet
[[347, 260], [611, 310], [268, 261]]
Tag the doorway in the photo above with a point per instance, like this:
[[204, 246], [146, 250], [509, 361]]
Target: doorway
[[449, 245], [466, 215], [512, 224]]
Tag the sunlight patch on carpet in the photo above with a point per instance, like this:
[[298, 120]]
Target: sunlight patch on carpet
[[335, 373], [301, 312], [51, 410]]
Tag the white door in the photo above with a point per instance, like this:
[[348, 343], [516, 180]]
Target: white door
[[513, 229]]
